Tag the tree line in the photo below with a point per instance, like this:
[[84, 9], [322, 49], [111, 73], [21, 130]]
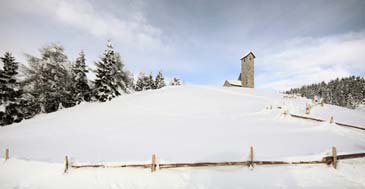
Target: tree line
[[51, 82], [347, 92]]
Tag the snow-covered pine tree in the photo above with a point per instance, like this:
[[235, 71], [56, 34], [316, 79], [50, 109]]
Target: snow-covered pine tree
[[175, 82], [81, 87], [150, 82], [104, 80], [139, 82], [2, 95], [347, 92], [159, 81], [124, 78], [49, 79], [111, 78], [30, 105], [3, 89], [142, 82], [10, 91]]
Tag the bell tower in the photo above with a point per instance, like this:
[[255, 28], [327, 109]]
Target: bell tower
[[247, 70]]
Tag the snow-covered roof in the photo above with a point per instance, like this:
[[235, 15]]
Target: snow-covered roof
[[234, 82], [248, 54]]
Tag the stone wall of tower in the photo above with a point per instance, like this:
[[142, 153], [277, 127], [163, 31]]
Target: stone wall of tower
[[247, 71]]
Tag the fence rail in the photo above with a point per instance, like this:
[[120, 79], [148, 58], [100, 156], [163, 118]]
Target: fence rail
[[153, 165], [251, 162], [322, 120]]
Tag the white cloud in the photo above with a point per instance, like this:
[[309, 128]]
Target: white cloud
[[131, 29], [81, 15], [307, 60]]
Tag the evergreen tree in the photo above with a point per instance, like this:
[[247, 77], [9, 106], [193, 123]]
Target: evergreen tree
[[49, 79], [104, 80], [150, 82], [143, 82], [111, 78], [3, 87], [30, 105], [139, 83], [10, 91], [175, 82], [348, 92], [80, 82], [124, 78], [159, 81]]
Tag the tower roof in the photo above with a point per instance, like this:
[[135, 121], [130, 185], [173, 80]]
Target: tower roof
[[248, 54]]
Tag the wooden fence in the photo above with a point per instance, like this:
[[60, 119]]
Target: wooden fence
[[331, 121], [251, 162], [329, 160], [307, 111]]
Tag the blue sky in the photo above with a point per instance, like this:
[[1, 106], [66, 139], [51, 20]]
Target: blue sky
[[295, 42]]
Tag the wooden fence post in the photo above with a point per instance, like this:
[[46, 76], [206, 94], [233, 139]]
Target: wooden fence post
[[251, 156], [334, 154], [153, 163], [307, 108], [66, 164], [6, 154], [286, 112]]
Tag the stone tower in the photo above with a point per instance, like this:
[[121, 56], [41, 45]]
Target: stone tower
[[247, 70]]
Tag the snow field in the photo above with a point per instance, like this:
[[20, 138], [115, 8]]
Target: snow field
[[183, 124]]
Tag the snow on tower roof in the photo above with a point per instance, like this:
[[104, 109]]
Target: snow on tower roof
[[248, 54]]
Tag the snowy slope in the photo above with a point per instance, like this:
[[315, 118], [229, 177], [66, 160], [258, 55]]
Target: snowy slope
[[185, 124]]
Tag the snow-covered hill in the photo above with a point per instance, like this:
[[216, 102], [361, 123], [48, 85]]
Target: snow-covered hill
[[183, 124]]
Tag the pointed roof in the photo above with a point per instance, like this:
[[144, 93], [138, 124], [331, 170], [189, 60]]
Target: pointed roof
[[248, 54]]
